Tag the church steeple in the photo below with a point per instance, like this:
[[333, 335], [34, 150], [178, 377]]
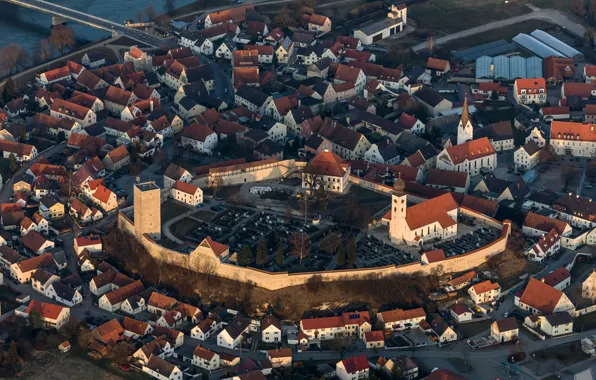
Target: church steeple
[[465, 131]]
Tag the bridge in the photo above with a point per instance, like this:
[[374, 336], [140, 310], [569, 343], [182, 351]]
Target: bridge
[[87, 19]]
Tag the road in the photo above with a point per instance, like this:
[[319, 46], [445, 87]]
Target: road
[[224, 89], [551, 15]]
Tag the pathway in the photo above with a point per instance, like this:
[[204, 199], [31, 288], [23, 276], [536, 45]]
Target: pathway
[[166, 226], [554, 16]]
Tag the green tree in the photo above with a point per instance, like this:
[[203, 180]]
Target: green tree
[[12, 163], [279, 259], [246, 257], [61, 136], [494, 95], [35, 320], [261, 253], [12, 358], [341, 256], [352, 251]]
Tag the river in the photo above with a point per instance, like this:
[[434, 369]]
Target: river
[[26, 26]]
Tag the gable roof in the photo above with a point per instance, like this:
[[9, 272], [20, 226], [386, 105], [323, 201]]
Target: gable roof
[[446, 178], [541, 296], [471, 150], [46, 310], [198, 132], [557, 276], [356, 364], [430, 211], [327, 163], [544, 223]]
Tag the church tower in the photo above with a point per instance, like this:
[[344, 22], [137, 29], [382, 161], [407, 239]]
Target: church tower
[[465, 131], [399, 203]]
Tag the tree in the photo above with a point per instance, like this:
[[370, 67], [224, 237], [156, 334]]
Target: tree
[[150, 12], [139, 16], [69, 186], [352, 252], [279, 259], [62, 37], [300, 243], [14, 58], [12, 163], [121, 353], [283, 18], [35, 320], [60, 137], [330, 243], [245, 257], [494, 95], [216, 185], [12, 358], [9, 91], [169, 6], [42, 51], [547, 154], [261, 253], [568, 175], [341, 256]]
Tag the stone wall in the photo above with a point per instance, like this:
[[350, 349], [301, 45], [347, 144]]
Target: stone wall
[[278, 280]]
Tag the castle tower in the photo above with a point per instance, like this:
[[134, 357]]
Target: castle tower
[[399, 204], [147, 210], [465, 131]]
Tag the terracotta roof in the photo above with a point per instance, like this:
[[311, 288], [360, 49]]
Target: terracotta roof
[[398, 315], [33, 240], [84, 241], [347, 73], [342, 87], [460, 308], [356, 364], [327, 163], [204, 353], [110, 332], [433, 210], [471, 150], [35, 262], [46, 310], [237, 14], [132, 325], [555, 110], [161, 301], [357, 55], [558, 67], [280, 353], [485, 286], [175, 172], [541, 296], [435, 256], [444, 374], [531, 85], [566, 130], [197, 132], [247, 57], [118, 95], [348, 42], [465, 278], [135, 52], [217, 248], [374, 336], [356, 318], [544, 223], [102, 194], [187, 188], [124, 292], [322, 323], [484, 206], [88, 79], [436, 64], [582, 90], [547, 241], [17, 148], [556, 277], [248, 75]]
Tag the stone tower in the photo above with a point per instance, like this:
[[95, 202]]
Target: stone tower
[[465, 131], [147, 210], [399, 203]]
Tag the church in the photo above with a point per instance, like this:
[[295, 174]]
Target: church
[[434, 218]]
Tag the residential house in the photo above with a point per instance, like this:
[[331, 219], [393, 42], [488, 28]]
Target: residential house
[[326, 170], [541, 298], [527, 157], [530, 91], [161, 369], [437, 67], [200, 138], [460, 312], [458, 182], [354, 368], [232, 336], [399, 319], [205, 359], [374, 339], [270, 329], [444, 333], [485, 292], [53, 316], [556, 324], [280, 357], [505, 330]]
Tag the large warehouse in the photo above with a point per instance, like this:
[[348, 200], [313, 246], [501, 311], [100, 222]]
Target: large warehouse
[[544, 45], [502, 68]]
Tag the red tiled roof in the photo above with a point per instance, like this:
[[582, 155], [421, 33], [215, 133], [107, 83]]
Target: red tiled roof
[[46, 310], [322, 323], [435, 256], [583, 90], [470, 150], [198, 132], [347, 73], [204, 353], [541, 296], [446, 178], [102, 194], [433, 210], [397, 315], [356, 364], [187, 188], [56, 74], [486, 286], [544, 223], [554, 110], [460, 308], [531, 85], [567, 130], [437, 64], [216, 247], [557, 276], [374, 336], [124, 292], [84, 241]]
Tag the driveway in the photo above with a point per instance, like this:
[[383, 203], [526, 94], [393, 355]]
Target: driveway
[[551, 15]]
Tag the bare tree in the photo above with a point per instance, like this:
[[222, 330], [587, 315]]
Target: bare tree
[[42, 51], [62, 37], [209, 269], [139, 16], [216, 184], [547, 154], [150, 12], [169, 6], [300, 243], [69, 186], [283, 18], [330, 243], [13, 58], [430, 45]]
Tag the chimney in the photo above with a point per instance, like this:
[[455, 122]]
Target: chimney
[[151, 105]]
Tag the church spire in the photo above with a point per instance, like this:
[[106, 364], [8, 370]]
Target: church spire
[[465, 114]]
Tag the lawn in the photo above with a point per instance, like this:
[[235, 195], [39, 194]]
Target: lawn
[[445, 16], [171, 209], [567, 354], [184, 226], [506, 33]]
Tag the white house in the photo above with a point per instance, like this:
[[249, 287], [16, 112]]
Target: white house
[[556, 324], [162, 369], [205, 359], [327, 170], [399, 319], [527, 157], [530, 91], [541, 298], [231, 337], [270, 329], [354, 368], [460, 312], [187, 193], [485, 292], [200, 138], [395, 22], [505, 330]]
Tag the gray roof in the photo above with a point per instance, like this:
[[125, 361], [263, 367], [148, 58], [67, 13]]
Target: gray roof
[[428, 96], [378, 26]]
